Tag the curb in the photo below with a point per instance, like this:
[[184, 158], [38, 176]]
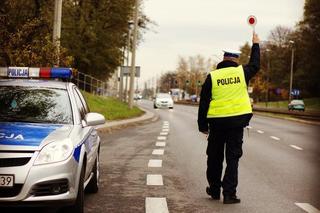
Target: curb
[[120, 124]]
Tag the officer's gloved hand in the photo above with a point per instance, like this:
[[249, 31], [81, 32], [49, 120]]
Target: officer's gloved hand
[[255, 38]]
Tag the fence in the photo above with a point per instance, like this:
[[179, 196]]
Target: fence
[[90, 84]]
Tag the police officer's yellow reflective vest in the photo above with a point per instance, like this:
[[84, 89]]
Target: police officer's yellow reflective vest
[[229, 93]]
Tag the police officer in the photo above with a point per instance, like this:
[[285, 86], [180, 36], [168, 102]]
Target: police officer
[[224, 111]]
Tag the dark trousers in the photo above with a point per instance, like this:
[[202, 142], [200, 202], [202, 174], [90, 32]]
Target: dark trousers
[[217, 141]]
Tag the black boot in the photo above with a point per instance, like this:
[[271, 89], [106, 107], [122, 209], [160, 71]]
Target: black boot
[[231, 199], [215, 194]]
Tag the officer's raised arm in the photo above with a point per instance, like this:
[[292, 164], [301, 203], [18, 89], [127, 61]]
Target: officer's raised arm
[[253, 66]]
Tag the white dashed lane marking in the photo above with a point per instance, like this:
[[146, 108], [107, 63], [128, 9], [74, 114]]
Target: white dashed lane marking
[[156, 205], [165, 130], [158, 151], [260, 131], [164, 133], [308, 208], [275, 138], [162, 138], [161, 144], [154, 180], [155, 163], [249, 127], [296, 147]]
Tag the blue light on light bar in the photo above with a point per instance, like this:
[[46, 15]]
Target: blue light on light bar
[[61, 72]]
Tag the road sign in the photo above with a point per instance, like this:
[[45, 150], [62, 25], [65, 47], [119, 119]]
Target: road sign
[[125, 70], [295, 92]]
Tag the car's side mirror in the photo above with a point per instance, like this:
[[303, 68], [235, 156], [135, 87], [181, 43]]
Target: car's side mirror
[[93, 119]]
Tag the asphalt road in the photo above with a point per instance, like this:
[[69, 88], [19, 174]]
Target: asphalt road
[[279, 169]]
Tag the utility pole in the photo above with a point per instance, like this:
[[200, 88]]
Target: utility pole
[[128, 58], [57, 28], [291, 70], [121, 77], [268, 73], [133, 57]]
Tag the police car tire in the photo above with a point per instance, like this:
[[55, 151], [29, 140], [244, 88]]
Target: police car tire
[[154, 106], [93, 185]]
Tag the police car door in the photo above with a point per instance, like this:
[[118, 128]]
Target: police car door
[[90, 134]]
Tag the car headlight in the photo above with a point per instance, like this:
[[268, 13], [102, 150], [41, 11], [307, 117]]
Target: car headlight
[[54, 152]]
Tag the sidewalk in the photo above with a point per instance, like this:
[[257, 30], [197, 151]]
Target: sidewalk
[[119, 124]]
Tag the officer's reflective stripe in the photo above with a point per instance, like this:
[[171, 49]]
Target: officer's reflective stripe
[[229, 93]]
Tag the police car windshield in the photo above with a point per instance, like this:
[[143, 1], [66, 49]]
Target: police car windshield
[[34, 105], [163, 95]]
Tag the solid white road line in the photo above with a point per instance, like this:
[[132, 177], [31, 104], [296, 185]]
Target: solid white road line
[[308, 208], [155, 163], [164, 133], [158, 151], [275, 138], [162, 138], [154, 180], [161, 144], [296, 147], [260, 131], [156, 205]]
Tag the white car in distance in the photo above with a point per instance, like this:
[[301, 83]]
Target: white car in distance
[[163, 100]]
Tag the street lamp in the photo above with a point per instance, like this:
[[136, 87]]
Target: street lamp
[[291, 70]]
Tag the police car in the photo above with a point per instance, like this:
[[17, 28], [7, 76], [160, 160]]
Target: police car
[[49, 147]]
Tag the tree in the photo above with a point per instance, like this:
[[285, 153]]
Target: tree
[[94, 34], [192, 72], [307, 40], [168, 81], [25, 39]]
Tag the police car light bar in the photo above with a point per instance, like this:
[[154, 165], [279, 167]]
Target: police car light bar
[[36, 72]]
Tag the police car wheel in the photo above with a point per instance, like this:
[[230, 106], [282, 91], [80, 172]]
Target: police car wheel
[[93, 185], [154, 106]]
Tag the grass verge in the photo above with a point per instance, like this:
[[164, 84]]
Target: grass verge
[[110, 107]]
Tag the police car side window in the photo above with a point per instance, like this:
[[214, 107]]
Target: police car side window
[[79, 104], [84, 103]]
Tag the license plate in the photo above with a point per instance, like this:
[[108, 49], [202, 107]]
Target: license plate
[[6, 180]]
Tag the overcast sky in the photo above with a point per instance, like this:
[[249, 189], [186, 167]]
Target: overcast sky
[[191, 27]]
